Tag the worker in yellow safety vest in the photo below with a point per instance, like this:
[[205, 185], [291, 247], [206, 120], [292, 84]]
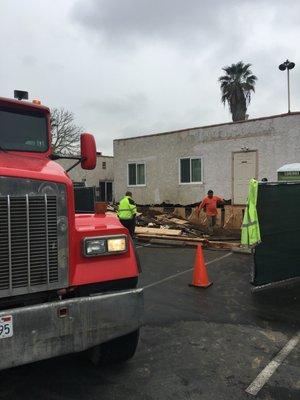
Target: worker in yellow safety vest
[[126, 212], [250, 227]]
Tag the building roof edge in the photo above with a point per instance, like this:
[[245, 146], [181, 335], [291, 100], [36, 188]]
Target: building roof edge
[[209, 126]]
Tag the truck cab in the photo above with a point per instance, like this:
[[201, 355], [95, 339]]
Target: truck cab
[[68, 282]]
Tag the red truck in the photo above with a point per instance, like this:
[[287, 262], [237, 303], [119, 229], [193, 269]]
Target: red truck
[[68, 282]]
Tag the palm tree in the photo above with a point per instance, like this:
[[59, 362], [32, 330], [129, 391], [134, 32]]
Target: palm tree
[[236, 87]]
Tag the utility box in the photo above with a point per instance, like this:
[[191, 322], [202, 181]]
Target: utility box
[[277, 257], [289, 172]]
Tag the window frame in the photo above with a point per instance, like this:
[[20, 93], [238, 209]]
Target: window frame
[[179, 170], [34, 113], [145, 173]]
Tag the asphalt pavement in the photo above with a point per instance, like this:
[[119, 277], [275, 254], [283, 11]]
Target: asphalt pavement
[[195, 343]]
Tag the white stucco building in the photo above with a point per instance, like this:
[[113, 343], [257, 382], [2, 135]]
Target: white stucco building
[[102, 176], [179, 167]]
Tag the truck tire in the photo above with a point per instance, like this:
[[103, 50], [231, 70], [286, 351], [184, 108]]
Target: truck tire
[[117, 350]]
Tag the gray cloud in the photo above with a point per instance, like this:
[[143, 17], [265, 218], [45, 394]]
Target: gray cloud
[[129, 105], [207, 34], [183, 22], [131, 17], [186, 23]]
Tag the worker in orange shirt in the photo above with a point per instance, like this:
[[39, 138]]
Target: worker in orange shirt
[[209, 205]]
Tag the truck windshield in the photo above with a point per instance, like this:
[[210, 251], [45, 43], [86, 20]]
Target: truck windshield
[[23, 130]]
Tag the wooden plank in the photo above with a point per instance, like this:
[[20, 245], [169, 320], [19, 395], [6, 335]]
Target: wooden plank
[[157, 231], [168, 242], [179, 212], [183, 238], [191, 241], [194, 218], [228, 220], [233, 216], [178, 221]]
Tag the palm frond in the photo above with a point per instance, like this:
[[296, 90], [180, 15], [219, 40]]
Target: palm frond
[[224, 78]]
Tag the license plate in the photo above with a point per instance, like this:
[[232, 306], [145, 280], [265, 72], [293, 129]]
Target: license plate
[[6, 326]]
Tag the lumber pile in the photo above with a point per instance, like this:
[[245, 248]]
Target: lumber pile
[[171, 228], [165, 228]]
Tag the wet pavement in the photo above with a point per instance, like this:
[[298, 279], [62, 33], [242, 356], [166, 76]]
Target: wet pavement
[[195, 343]]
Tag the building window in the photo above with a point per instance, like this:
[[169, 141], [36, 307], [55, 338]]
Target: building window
[[190, 170], [136, 174], [104, 165]]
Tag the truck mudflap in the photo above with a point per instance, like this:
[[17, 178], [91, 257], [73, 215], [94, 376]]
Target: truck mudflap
[[61, 327]]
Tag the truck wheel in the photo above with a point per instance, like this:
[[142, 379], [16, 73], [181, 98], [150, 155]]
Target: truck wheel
[[117, 350]]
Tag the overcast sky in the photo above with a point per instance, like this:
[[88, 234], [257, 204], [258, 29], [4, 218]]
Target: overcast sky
[[134, 67]]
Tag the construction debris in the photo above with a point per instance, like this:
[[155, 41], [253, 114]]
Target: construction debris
[[156, 226], [170, 228]]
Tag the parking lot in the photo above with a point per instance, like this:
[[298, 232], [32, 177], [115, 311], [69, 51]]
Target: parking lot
[[195, 343]]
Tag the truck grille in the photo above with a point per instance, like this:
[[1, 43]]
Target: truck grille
[[28, 243]]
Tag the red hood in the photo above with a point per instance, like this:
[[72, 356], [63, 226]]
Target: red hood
[[24, 166], [98, 222]]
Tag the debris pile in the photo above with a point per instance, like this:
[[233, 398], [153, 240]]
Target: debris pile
[[167, 228], [167, 222], [170, 228]]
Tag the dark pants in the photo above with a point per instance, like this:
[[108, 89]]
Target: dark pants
[[129, 224]]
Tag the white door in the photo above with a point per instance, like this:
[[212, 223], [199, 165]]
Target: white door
[[244, 168]]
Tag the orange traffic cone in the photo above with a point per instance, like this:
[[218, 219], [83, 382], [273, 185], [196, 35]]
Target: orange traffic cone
[[200, 277]]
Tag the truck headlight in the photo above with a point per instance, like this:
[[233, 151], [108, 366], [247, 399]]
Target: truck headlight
[[115, 245], [94, 247], [97, 246]]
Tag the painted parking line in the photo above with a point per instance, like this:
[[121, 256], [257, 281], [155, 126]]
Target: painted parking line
[[269, 370], [184, 272]]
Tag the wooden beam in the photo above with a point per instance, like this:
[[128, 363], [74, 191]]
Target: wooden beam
[[182, 238], [189, 241], [157, 231]]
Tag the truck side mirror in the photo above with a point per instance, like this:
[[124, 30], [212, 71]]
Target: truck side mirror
[[88, 151]]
